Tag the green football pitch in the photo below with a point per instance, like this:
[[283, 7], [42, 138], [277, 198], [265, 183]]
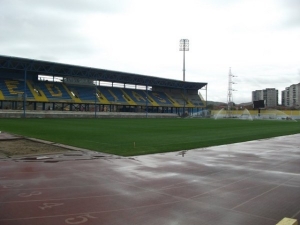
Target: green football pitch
[[129, 137]]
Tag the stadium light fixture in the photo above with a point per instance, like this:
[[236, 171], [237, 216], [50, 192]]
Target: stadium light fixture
[[184, 46]]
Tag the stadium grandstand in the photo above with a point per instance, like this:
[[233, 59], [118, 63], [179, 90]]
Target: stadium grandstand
[[27, 84]]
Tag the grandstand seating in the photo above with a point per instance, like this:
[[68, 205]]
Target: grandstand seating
[[136, 95], [177, 98], [118, 95], [187, 100], [111, 98], [161, 98], [84, 93], [54, 91], [45, 91], [196, 100], [14, 89]]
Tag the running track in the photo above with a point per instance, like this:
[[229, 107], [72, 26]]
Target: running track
[[255, 182]]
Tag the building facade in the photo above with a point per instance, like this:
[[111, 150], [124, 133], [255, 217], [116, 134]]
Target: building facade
[[269, 95], [291, 96]]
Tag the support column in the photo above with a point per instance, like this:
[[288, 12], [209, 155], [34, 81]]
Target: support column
[[24, 94]]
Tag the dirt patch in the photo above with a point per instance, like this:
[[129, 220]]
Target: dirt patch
[[19, 147]]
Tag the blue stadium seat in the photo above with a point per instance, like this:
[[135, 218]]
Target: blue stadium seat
[[14, 89], [85, 93], [54, 91]]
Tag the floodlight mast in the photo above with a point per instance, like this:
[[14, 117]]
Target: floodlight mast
[[184, 46]]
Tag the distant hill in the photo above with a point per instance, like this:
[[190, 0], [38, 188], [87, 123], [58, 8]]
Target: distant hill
[[216, 103], [246, 103], [225, 103]]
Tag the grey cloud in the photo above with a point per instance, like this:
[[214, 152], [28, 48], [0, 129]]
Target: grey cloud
[[263, 82], [55, 20], [45, 52], [25, 30], [291, 10], [21, 23], [221, 3], [104, 6]]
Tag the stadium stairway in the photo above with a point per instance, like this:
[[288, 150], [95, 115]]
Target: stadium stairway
[[1, 96], [187, 101], [101, 98], [2, 87], [115, 97], [127, 98], [74, 98], [38, 95], [151, 100], [14, 89], [161, 99], [176, 104], [136, 95]]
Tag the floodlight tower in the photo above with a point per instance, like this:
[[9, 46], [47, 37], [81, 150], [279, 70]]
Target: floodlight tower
[[184, 46], [229, 96]]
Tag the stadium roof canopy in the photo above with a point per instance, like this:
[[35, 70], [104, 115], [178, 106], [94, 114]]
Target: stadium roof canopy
[[17, 65]]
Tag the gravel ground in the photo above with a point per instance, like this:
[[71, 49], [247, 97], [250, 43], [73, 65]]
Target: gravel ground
[[19, 147]]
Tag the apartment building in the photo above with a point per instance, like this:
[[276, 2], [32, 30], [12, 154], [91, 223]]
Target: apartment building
[[269, 95], [290, 97]]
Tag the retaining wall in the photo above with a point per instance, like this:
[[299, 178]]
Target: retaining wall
[[75, 114]]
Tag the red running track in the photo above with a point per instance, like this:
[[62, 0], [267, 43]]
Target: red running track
[[255, 182]]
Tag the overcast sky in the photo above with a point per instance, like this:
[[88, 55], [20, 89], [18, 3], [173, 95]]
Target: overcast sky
[[258, 39]]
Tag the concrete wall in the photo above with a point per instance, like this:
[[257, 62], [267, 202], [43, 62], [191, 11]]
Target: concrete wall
[[73, 114]]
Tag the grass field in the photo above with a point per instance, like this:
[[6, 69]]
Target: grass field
[[128, 137]]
